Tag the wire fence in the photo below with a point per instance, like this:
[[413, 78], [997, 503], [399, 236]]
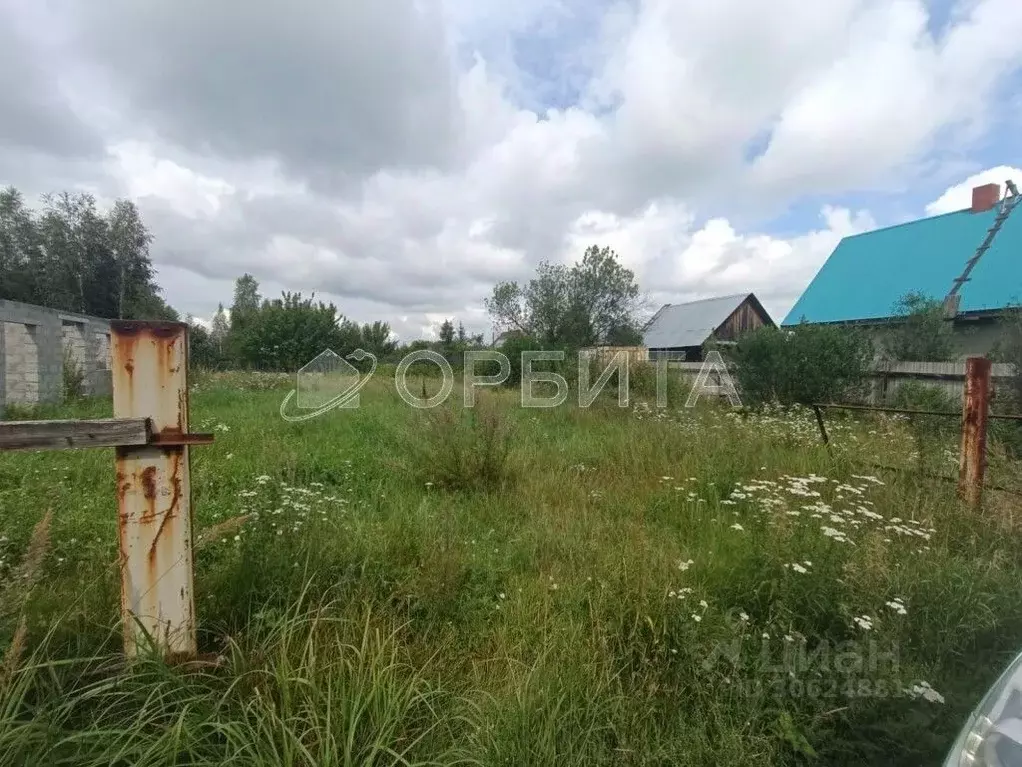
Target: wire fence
[[975, 414]]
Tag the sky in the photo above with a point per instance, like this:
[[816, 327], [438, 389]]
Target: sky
[[400, 157]]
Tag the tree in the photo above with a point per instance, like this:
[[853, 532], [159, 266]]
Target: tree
[[220, 328], [446, 334], [922, 334], [349, 336], [20, 253], [288, 332], [74, 242], [202, 350], [154, 308], [805, 365], [376, 338], [246, 300], [581, 305], [69, 256], [244, 311], [624, 335], [129, 244]]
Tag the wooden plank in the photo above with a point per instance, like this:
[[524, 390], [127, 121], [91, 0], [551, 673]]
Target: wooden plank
[[63, 435]]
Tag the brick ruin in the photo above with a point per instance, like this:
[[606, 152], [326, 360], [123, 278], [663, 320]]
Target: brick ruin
[[34, 342]]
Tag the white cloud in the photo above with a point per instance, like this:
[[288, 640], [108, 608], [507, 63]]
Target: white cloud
[[959, 196], [188, 192], [399, 164], [677, 261]]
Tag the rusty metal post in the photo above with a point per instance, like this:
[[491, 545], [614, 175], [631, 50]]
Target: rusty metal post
[[150, 380], [975, 410]]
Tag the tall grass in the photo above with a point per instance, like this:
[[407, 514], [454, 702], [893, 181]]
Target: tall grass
[[517, 586], [458, 448]]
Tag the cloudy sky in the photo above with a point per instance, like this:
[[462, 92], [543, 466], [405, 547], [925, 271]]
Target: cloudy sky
[[400, 156]]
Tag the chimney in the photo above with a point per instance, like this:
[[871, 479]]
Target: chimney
[[985, 197]]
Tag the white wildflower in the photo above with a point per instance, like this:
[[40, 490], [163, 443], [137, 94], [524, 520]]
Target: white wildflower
[[925, 691], [864, 622], [897, 605]]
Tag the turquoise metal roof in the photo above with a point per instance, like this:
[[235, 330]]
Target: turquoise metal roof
[[868, 273]]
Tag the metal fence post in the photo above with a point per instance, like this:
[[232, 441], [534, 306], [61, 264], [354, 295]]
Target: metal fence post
[[975, 410], [150, 364]]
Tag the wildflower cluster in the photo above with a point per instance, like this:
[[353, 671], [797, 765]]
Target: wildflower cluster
[[840, 510], [288, 509]]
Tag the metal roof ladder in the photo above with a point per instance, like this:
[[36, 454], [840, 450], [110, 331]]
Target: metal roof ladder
[[1008, 204]]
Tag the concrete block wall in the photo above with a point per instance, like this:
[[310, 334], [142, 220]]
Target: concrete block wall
[[32, 343]]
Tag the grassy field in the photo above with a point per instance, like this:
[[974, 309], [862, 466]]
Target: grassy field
[[516, 587]]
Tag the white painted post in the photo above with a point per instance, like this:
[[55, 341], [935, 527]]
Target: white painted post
[[150, 380]]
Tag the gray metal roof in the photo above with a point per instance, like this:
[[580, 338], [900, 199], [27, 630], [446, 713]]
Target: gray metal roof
[[689, 324]]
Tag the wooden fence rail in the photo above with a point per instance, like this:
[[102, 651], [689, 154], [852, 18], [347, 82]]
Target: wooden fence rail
[[62, 435], [149, 433], [886, 377]]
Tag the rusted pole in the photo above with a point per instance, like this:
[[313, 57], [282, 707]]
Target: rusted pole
[[975, 410], [150, 364]]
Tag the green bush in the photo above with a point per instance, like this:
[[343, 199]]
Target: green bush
[[513, 349], [459, 448], [73, 376], [914, 395], [923, 334], [642, 382], [932, 432], [801, 365]]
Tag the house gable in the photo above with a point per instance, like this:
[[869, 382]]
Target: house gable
[[689, 326]]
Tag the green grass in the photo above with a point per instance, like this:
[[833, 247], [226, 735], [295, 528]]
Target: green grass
[[518, 587]]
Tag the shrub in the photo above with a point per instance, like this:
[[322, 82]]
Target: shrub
[[1009, 397], [512, 349], [923, 334], [914, 395], [931, 431], [73, 376], [642, 382], [460, 448], [802, 365]]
